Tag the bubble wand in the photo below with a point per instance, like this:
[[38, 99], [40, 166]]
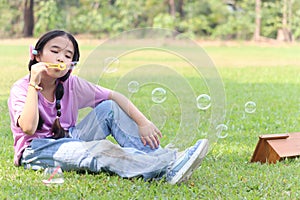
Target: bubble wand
[[61, 66]]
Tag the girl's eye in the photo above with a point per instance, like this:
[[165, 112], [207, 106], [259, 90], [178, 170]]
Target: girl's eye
[[69, 57], [53, 51]]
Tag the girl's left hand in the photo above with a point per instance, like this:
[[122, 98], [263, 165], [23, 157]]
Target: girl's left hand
[[150, 134]]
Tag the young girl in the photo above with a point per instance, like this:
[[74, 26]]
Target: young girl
[[44, 106]]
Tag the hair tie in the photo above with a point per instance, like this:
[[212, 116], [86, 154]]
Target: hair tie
[[58, 114], [32, 52], [58, 106]]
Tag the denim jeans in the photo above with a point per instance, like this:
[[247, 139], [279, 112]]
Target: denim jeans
[[88, 148]]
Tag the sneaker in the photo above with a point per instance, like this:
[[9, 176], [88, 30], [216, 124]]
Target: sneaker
[[184, 166]]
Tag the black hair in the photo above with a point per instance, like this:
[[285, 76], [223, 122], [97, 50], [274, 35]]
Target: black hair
[[57, 130]]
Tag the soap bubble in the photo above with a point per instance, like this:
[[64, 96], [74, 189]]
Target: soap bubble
[[250, 107], [159, 95], [133, 86], [111, 64], [203, 102], [222, 131]]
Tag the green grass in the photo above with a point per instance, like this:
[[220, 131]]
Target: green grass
[[268, 75]]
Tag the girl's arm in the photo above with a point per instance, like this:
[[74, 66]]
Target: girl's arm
[[148, 131], [29, 117]]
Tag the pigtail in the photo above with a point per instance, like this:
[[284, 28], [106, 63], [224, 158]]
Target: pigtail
[[57, 129]]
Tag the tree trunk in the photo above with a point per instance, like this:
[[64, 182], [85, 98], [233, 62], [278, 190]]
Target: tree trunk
[[28, 18], [257, 20], [290, 12], [180, 8], [284, 14], [284, 34], [172, 8]]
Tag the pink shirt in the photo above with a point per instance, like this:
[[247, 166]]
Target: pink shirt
[[78, 93]]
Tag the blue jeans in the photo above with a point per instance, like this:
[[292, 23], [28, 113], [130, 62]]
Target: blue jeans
[[87, 149]]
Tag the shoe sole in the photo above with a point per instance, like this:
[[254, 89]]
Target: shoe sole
[[187, 170]]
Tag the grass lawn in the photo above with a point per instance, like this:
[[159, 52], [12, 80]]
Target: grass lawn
[[267, 75]]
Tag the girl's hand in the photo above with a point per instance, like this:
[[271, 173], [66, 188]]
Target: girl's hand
[[36, 72], [150, 134]]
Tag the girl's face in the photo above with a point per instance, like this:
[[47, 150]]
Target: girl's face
[[57, 50]]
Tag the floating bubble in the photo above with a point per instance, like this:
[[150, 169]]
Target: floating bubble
[[203, 102], [133, 86], [111, 64], [159, 95], [250, 107], [222, 131]]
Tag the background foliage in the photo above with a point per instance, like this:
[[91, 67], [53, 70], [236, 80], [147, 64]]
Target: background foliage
[[210, 19]]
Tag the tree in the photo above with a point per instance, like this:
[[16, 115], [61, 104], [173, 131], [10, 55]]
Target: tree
[[284, 33], [257, 20], [172, 8], [180, 8], [28, 18]]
